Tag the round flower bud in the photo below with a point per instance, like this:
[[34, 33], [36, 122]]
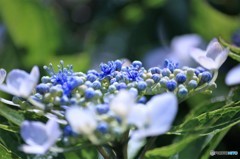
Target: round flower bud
[[192, 84], [96, 85], [142, 85], [42, 88], [171, 85], [182, 92], [102, 108], [89, 93], [156, 78], [206, 76], [181, 78], [102, 127], [137, 64], [166, 72]]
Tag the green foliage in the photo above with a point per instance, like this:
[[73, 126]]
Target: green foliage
[[210, 23], [234, 51], [11, 114], [33, 27]]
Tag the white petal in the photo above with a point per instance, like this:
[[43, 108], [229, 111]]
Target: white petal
[[134, 146], [3, 74], [214, 40], [5, 88], [183, 44], [15, 78], [34, 133], [138, 115], [196, 53], [26, 87], [207, 63], [35, 74], [233, 76], [214, 49], [222, 57], [33, 149], [122, 103], [81, 120], [163, 109]]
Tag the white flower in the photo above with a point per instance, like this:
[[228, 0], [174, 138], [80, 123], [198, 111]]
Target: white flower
[[233, 77], [38, 136], [213, 57], [20, 83], [82, 120], [2, 75], [122, 103], [155, 117]]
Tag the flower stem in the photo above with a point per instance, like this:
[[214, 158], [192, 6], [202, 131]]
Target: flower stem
[[147, 147], [103, 152], [8, 102]]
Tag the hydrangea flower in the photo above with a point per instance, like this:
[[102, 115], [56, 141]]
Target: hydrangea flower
[[20, 83], [232, 77], [3, 74], [155, 117], [82, 120], [39, 137], [213, 57]]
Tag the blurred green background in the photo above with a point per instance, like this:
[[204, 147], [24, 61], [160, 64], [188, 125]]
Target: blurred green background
[[87, 32]]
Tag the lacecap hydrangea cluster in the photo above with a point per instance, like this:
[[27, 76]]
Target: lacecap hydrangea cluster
[[65, 88]]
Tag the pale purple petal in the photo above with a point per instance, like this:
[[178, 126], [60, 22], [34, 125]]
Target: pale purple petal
[[222, 57], [5, 88], [15, 79], [34, 133], [207, 63], [214, 40], [33, 149], [137, 115], [196, 53], [81, 120], [233, 76], [214, 49], [3, 74]]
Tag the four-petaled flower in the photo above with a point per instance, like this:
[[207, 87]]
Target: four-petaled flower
[[213, 57], [154, 118], [38, 136], [20, 83]]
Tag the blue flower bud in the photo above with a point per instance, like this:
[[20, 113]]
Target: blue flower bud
[[163, 81], [181, 78], [142, 85], [64, 100], [96, 85], [156, 78], [192, 84], [121, 86], [171, 85], [166, 72], [46, 79], [112, 88], [137, 64], [89, 93], [155, 70], [103, 127], [142, 100], [89, 84], [93, 72], [42, 88], [206, 76], [91, 77], [118, 64], [200, 69], [113, 80], [182, 92], [150, 82], [102, 108], [134, 91], [67, 131]]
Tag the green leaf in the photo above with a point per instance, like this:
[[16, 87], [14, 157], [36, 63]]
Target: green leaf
[[8, 128], [170, 150], [32, 26], [213, 143], [11, 114], [7, 154], [209, 22], [210, 122]]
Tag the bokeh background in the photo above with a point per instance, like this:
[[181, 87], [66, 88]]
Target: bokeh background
[[87, 32]]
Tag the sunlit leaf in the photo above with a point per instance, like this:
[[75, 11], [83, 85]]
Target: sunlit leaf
[[210, 23], [32, 26], [11, 114]]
